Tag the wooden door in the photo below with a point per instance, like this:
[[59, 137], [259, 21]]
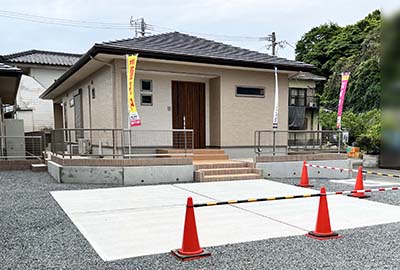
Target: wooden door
[[188, 100]]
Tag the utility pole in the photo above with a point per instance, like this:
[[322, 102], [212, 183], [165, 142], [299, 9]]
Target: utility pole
[[142, 27], [139, 25], [273, 45]]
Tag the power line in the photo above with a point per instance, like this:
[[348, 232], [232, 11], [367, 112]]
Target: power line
[[62, 22]]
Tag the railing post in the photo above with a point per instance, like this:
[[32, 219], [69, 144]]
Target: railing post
[[123, 143], [273, 142], [255, 143], [113, 142], [52, 141], [305, 140], [184, 134], [130, 142], [70, 143], [320, 136], [42, 150]]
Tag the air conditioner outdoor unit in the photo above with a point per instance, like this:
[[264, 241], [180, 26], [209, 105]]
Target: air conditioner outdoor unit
[[84, 146], [312, 104]]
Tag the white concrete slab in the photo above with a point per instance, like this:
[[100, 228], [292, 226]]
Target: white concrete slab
[[134, 221]]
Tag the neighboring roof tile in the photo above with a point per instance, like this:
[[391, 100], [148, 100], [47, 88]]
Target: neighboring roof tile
[[183, 44], [7, 68], [42, 58], [307, 76]]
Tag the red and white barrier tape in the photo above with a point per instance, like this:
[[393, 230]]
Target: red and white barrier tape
[[362, 191], [330, 168], [352, 170]]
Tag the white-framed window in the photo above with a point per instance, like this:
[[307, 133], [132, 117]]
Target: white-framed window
[[146, 92], [250, 91]]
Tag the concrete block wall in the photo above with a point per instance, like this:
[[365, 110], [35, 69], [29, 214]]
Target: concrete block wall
[[292, 169], [135, 175]]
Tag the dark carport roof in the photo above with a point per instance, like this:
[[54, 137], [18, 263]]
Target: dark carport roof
[[39, 57], [9, 82], [182, 47]]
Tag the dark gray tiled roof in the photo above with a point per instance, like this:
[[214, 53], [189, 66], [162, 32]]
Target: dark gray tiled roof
[[307, 76], [42, 58], [7, 68], [183, 44]]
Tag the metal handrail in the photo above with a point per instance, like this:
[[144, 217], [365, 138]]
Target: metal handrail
[[39, 148], [121, 141], [258, 145]]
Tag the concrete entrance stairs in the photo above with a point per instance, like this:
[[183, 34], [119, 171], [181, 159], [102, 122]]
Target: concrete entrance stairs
[[225, 171], [214, 165]]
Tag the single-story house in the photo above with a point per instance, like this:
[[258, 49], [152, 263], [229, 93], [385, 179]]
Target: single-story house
[[40, 69], [224, 92]]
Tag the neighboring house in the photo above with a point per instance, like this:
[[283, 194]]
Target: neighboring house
[[303, 101], [225, 92], [40, 69]]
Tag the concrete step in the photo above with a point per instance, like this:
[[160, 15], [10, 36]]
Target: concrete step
[[195, 151], [231, 177], [39, 167], [223, 165], [210, 157], [209, 151], [224, 171]]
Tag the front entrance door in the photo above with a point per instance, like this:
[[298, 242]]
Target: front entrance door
[[188, 100]]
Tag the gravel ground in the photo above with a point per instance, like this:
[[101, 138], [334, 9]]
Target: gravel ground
[[36, 234]]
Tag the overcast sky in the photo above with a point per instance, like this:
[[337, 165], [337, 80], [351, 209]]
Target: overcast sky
[[290, 19]]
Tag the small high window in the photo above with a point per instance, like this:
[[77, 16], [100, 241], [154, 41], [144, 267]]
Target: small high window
[[247, 91], [146, 100], [146, 85], [146, 92]]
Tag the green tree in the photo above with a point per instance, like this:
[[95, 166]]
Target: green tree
[[355, 48]]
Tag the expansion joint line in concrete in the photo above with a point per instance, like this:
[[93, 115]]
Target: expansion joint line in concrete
[[243, 209]]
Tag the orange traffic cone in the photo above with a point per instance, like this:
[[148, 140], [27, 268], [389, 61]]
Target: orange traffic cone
[[190, 245], [304, 177], [359, 185], [323, 229]]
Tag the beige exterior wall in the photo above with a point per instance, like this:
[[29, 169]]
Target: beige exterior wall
[[301, 83], [101, 106], [215, 112], [241, 116]]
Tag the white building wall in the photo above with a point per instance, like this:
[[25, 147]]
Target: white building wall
[[46, 76], [36, 113]]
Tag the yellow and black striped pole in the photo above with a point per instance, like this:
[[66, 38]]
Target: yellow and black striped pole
[[294, 196]]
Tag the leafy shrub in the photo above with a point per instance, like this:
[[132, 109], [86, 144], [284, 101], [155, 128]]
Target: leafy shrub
[[364, 128]]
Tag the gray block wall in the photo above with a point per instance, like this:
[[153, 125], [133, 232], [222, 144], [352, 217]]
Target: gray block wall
[[136, 175], [292, 169]]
